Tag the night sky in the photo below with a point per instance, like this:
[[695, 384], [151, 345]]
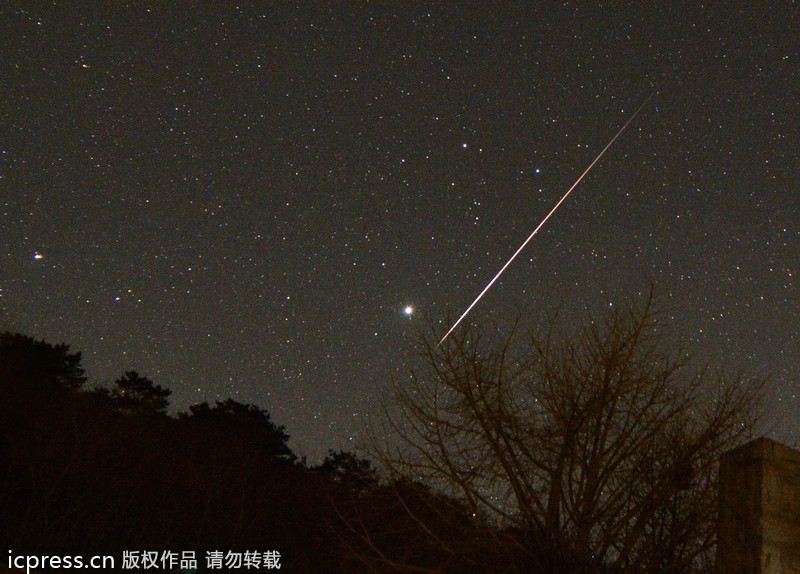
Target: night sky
[[243, 200]]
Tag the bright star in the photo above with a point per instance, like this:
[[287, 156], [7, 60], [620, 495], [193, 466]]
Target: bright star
[[409, 310], [38, 256]]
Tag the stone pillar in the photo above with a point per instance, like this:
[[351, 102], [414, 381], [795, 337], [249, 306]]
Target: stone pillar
[[759, 510]]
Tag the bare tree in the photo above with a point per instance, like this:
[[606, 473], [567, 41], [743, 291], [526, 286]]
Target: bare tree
[[595, 452]]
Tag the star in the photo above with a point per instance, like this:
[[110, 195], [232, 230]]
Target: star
[[409, 310]]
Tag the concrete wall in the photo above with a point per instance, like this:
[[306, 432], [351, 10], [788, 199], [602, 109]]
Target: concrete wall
[[759, 513]]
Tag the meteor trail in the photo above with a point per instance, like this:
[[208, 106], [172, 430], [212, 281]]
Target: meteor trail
[[538, 227]]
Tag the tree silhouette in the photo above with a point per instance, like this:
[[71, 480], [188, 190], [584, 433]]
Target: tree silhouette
[[349, 470], [79, 475], [590, 453], [245, 422], [44, 443], [22, 357], [135, 394]]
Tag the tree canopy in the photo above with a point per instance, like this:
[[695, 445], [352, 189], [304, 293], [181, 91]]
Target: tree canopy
[[246, 422], [135, 394], [591, 451], [39, 362]]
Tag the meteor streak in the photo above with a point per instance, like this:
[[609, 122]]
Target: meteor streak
[[538, 227]]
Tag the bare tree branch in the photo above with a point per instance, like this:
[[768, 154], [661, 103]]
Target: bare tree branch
[[595, 452]]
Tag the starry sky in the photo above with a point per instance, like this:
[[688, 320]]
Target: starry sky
[[244, 199]]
